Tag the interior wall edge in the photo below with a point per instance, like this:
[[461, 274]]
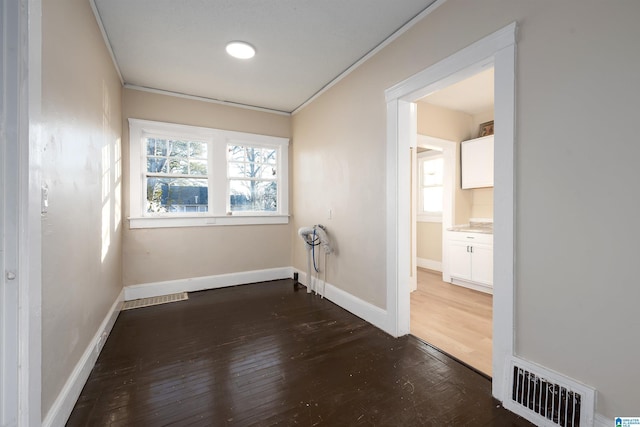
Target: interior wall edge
[[600, 420], [373, 314], [429, 264], [61, 409]]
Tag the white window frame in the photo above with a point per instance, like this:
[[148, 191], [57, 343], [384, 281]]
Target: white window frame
[[217, 141], [424, 216]]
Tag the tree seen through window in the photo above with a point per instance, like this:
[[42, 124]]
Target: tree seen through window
[[176, 176], [252, 175]]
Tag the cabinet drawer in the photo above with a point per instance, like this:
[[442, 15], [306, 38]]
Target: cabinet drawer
[[471, 237]]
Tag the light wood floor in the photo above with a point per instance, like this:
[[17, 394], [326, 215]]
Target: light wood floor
[[455, 319]]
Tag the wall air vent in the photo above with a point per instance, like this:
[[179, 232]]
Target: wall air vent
[[547, 398]]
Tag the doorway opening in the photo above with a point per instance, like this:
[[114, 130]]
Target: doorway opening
[[451, 314], [496, 50]]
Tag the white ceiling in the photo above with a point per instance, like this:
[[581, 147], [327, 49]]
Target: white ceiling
[[472, 96], [302, 45]]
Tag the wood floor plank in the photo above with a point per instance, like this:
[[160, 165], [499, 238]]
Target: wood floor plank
[[457, 320], [265, 355]]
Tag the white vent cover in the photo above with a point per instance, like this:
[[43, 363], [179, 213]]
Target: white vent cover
[[162, 299], [547, 398]]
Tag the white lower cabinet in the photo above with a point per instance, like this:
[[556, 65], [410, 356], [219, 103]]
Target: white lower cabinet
[[471, 260]]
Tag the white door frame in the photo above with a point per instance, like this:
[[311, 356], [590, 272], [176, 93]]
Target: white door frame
[[21, 275], [8, 339], [497, 50], [9, 124], [449, 151], [415, 179]]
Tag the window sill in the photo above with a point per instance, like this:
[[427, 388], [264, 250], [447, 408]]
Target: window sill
[[428, 218], [206, 221]]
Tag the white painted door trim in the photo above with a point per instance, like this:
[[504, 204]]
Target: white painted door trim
[[412, 137], [449, 151], [21, 82], [8, 292], [9, 125], [415, 176], [497, 50]]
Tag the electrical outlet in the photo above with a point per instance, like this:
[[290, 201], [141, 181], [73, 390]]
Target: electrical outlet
[[44, 200], [329, 214]]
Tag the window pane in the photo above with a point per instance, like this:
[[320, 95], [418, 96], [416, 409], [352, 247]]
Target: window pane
[[179, 166], [178, 157], [432, 172], [236, 170], [236, 153], [267, 172], [246, 195], [198, 167], [178, 148], [432, 199], [157, 164], [156, 147], [270, 156], [262, 155], [198, 150], [252, 162], [177, 195], [252, 170], [255, 155]]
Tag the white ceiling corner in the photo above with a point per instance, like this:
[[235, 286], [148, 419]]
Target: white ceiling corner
[[178, 46]]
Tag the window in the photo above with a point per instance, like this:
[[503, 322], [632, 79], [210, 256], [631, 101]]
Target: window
[[430, 167], [253, 178], [176, 175], [189, 176]]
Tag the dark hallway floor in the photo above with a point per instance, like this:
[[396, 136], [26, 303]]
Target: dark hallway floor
[[263, 354]]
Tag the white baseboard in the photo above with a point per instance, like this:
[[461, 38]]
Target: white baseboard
[[66, 400], [601, 421], [472, 285], [364, 310], [429, 264], [155, 289], [369, 312]]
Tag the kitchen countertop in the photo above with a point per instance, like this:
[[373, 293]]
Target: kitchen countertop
[[474, 227]]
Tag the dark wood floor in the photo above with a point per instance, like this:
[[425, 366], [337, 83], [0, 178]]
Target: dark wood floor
[[263, 355]]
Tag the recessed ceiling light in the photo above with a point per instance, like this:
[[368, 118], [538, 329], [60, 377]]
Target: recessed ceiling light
[[241, 50]]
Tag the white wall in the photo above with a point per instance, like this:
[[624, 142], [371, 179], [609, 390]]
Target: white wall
[[81, 233], [576, 167]]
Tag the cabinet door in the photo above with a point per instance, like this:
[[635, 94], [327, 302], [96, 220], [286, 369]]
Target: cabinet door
[[459, 260], [477, 162], [482, 264]]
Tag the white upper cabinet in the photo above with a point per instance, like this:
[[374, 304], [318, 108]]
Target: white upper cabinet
[[477, 162]]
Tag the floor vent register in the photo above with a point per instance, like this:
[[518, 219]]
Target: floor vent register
[[547, 398], [147, 302]]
